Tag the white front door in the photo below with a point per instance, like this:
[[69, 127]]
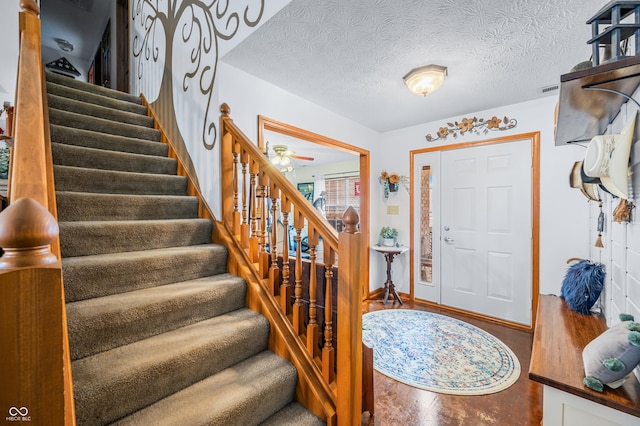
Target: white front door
[[486, 230], [472, 229]]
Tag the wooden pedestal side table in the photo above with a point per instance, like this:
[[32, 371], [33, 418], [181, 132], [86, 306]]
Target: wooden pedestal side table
[[389, 254]]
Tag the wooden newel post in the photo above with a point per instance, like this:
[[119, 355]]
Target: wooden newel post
[[349, 356], [35, 368], [226, 165]]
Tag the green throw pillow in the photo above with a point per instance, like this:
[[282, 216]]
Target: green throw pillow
[[610, 357]]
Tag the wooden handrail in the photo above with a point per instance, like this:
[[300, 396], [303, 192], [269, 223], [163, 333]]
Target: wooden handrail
[[253, 210], [34, 345], [319, 396], [28, 161], [275, 176]]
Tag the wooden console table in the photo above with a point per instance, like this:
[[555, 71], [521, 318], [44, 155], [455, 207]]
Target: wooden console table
[[389, 254], [556, 361]]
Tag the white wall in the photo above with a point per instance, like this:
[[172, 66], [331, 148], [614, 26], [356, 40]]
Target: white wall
[[563, 217], [190, 114], [621, 251], [248, 97], [564, 220]]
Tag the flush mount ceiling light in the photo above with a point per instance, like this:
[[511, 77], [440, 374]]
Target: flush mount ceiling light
[[425, 80], [64, 44]]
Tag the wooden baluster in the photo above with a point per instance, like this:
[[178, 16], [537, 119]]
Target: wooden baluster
[[298, 307], [349, 379], [253, 211], [328, 353], [285, 287], [274, 270], [313, 328], [244, 227], [236, 212], [263, 214]]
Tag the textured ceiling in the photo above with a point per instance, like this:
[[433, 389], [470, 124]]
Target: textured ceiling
[[350, 56]]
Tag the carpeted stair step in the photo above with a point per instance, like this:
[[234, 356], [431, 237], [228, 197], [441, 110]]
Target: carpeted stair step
[[79, 107], [83, 206], [242, 395], [90, 139], [101, 237], [81, 121], [105, 101], [293, 414], [155, 321], [92, 158], [113, 384], [91, 88], [102, 275], [79, 179], [103, 323]]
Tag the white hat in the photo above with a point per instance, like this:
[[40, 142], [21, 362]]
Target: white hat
[[607, 157]]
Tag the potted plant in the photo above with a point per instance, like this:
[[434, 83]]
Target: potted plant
[[388, 236], [391, 181]]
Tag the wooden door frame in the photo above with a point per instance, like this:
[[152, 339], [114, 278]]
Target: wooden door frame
[[534, 138], [265, 123]]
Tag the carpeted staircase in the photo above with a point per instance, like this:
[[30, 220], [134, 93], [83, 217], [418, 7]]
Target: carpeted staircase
[[159, 332]]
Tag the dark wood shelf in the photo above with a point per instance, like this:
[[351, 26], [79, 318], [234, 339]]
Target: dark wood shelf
[[556, 357], [584, 113]]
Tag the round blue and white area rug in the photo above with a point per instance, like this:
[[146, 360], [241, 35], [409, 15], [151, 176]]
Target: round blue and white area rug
[[438, 353]]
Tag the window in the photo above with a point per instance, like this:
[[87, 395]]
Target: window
[[426, 219], [341, 193]]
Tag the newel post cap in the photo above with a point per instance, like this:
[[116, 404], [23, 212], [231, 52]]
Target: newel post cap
[[26, 231], [350, 219], [30, 6]]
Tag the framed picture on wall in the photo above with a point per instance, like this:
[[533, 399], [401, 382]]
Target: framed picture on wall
[[306, 189]]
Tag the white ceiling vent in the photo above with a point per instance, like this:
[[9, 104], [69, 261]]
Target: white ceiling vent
[[548, 89]]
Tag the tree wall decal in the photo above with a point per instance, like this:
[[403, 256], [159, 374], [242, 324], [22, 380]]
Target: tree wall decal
[[179, 40]]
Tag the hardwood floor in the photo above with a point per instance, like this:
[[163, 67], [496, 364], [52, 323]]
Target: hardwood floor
[[400, 404]]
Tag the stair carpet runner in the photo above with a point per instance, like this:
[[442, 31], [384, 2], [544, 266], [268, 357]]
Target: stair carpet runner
[[158, 330]]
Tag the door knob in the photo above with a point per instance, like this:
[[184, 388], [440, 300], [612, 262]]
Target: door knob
[[446, 228], [448, 240]]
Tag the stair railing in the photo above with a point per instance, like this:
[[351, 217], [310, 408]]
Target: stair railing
[[258, 203], [34, 347]]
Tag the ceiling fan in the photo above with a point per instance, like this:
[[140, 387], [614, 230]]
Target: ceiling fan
[[282, 156]]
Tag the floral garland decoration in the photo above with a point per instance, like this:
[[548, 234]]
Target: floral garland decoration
[[391, 181], [473, 125]]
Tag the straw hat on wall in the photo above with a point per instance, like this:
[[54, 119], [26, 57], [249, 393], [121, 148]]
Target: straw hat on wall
[[589, 190]]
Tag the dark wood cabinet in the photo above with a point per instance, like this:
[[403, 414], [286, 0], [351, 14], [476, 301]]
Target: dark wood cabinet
[[591, 98]]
